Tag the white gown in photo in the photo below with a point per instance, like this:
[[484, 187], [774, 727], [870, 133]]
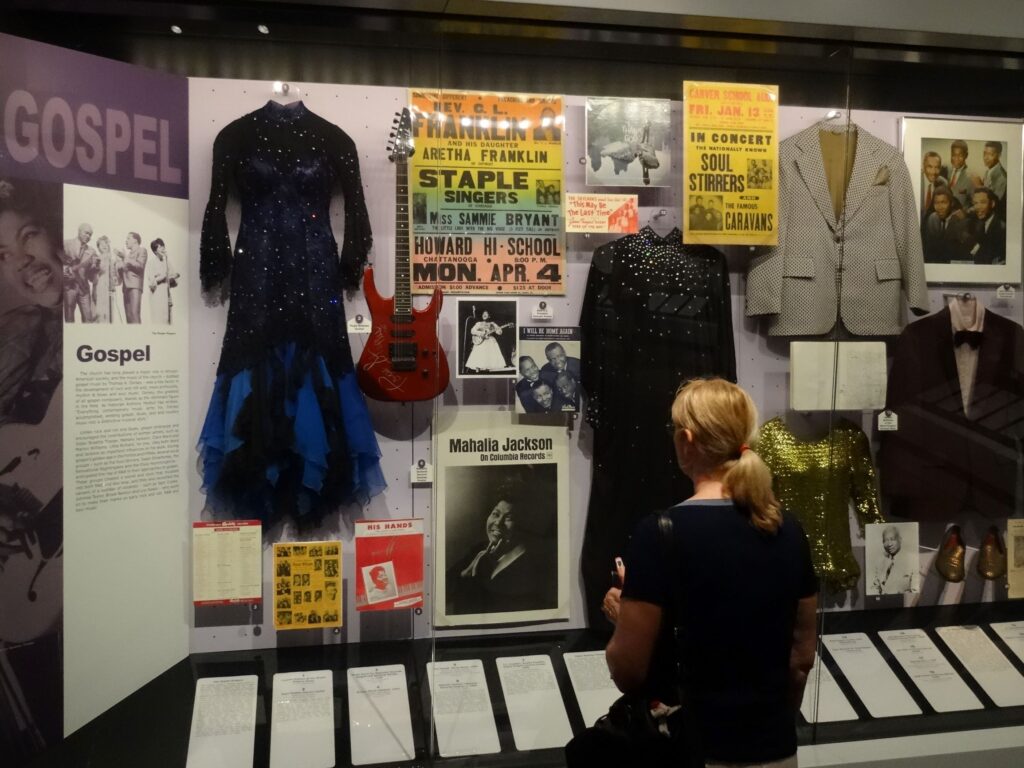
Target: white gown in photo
[[486, 354], [158, 294]]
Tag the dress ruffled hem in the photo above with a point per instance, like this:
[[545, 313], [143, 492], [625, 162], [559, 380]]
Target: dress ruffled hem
[[286, 438]]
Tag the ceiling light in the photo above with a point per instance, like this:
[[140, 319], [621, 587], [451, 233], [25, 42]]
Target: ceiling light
[[175, 29], [263, 29]]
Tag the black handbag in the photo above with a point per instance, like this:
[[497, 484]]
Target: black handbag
[[630, 734]]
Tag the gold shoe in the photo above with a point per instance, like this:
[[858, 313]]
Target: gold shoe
[[950, 560], [992, 557]]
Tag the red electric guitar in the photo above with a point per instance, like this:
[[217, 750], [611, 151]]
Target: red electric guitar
[[402, 360]]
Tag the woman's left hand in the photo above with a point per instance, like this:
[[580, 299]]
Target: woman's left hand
[[611, 603]]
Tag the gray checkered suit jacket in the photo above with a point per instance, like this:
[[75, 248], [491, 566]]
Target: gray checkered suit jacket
[[854, 269]]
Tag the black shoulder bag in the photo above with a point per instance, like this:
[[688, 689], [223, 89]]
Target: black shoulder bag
[[631, 734]]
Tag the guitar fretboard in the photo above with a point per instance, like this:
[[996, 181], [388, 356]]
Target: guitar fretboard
[[403, 279]]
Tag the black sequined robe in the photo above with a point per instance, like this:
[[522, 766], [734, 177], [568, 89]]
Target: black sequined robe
[[655, 313]]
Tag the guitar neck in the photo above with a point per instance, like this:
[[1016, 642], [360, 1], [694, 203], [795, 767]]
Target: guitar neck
[[403, 283]]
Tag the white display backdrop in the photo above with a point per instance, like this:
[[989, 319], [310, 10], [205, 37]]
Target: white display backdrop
[[404, 430], [126, 535]]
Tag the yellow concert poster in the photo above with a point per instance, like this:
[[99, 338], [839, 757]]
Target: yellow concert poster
[[731, 163], [307, 585], [485, 193]]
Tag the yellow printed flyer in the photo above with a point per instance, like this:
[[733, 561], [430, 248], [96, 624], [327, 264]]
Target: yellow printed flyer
[[730, 189], [307, 585], [486, 192]]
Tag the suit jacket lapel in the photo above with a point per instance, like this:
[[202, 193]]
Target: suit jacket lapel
[[989, 362], [862, 179], [811, 167], [946, 352]]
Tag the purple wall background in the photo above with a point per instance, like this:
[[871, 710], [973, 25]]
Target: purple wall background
[[143, 115], [123, 104]]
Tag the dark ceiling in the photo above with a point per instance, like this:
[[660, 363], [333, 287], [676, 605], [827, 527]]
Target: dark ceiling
[[529, 47]]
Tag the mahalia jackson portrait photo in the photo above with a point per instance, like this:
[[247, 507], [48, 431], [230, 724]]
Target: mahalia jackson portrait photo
[[501, 534]]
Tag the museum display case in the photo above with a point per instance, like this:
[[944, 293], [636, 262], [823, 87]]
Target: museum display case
[[341, 344]]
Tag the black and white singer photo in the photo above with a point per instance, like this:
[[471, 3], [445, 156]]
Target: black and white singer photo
[[379, 581], [549, 370], [891, 556], [162, 279], [32, 297], [486, 345], [501, 529]]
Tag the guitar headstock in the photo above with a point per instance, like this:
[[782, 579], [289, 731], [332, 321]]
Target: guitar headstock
[[400, 143]]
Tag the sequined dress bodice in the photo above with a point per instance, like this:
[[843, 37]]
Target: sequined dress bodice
[[816, 480], [285, 163], [655, 313]]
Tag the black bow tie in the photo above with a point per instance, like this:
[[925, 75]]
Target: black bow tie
[[973, 338]]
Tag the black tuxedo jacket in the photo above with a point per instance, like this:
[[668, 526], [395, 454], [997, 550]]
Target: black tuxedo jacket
[[940, 463]]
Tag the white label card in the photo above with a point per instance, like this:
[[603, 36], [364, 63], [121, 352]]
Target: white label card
[[461, 704], [359, 324], [592, 682], [824, 701], [873, 681], [888, 421], [223, 723], [379, 721], [542, 311], [421, 473], [1012, 633], [302, 720], [534, 702], [980, 656], [922, 660], [1006, 292]]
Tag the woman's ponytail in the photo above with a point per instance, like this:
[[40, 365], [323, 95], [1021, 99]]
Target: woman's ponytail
[[748, 482]]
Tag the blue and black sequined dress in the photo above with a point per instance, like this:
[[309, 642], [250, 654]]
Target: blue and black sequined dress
[[287, 431]]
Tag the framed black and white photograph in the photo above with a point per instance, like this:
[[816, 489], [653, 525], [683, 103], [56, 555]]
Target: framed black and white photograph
[[485, 346], [967, 178], [628, 142], [502, 542], [548, 370], [892, 560]]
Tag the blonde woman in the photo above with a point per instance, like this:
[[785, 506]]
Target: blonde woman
[[738, 582]]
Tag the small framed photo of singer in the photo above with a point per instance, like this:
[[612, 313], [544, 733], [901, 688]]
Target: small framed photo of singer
[[892, 560], [967, 182], [487, 338]]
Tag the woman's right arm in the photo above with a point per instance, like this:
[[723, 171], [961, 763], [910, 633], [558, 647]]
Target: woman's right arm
[[805, 642]]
